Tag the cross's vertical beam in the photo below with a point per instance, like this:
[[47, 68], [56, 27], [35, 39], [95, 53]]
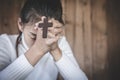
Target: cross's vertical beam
[[45, 26]]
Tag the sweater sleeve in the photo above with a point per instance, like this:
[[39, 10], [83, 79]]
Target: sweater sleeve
[[67, 65], [16, 70], [19, 69]]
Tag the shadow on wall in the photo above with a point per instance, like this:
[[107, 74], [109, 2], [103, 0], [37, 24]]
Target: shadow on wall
[[113, 18]]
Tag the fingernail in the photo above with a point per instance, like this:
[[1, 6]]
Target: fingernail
[[35, 28]]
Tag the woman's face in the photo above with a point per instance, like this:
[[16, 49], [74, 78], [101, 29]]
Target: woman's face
[[30, 31]]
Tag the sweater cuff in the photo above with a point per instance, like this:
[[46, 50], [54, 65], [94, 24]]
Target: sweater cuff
[[19, 69], [69, 70], [65, 66]]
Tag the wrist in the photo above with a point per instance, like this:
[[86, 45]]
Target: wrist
[[56, 53], [33, 55]]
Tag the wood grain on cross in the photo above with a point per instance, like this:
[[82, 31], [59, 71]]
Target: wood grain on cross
[[45, 26]]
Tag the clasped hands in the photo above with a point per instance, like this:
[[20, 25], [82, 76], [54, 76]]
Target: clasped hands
[[49, 44]]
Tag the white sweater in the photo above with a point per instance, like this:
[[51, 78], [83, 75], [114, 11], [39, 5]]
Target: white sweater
[[13, 68]]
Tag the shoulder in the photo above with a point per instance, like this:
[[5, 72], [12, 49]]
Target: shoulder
[[6, 39], [7, 50], [7, 42], [7, 45]]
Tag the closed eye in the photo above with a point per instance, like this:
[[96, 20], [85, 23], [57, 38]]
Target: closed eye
[[33, 34]]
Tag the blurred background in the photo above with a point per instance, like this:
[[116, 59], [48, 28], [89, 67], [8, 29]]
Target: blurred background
[[92, 29]]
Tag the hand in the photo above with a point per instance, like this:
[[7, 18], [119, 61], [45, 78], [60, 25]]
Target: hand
[[43, 45], [48, 44], [57, 31], [54, 34]]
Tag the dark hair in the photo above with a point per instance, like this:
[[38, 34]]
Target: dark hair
[[34, 9]]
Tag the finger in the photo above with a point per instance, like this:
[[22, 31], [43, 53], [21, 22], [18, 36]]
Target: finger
[[41, 21], [55, 39], [39, 33], [43, 17], [56, 23], [50, 28], [50, 21], [50, 35], [51, 41], [58, 30]]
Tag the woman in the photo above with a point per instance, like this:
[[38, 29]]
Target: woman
[[29, 56]]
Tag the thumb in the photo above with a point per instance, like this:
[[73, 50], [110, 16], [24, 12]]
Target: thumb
[[39, 33]]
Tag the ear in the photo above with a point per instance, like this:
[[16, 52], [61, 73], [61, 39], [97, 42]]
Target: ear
[[20, 25]]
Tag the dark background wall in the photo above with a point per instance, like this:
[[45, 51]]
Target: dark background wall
[[92, 29], [113, 20]]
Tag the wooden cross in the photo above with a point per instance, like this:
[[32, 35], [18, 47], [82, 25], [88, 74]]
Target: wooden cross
[[45, 26]]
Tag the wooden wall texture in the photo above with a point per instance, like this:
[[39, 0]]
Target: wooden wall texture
[[86, 30], [92, 29]]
